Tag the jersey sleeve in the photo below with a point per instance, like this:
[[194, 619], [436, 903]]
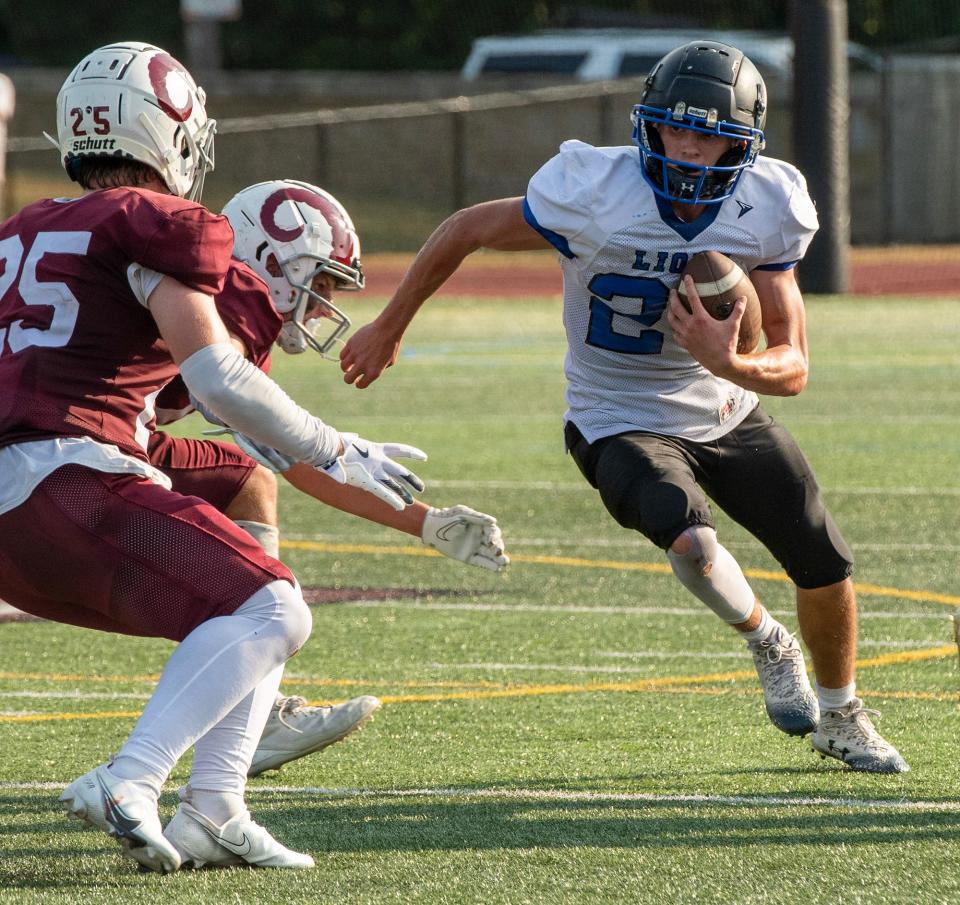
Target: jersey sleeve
[[561, 200], [246, 309], [177, 238], [797, 227]]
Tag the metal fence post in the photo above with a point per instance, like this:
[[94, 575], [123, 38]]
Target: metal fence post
[[821, 108]]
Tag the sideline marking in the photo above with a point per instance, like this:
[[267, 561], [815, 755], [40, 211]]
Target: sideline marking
[[865, 590], [563, 795]]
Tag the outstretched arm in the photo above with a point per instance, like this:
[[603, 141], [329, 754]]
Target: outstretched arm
[[220, 379], [458, 532], [498, 225]]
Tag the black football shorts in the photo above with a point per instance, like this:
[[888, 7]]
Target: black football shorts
[[756, 474]]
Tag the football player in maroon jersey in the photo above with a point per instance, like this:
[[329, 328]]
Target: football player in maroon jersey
[[302, 247], [103, 298]]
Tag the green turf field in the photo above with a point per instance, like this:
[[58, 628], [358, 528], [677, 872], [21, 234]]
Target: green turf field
[[578, 729]]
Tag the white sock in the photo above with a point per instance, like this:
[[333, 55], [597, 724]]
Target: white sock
[[222, 757], [835, 698], [767, 629], [210, 673], [268, 536], [131, 770], [217, 806]]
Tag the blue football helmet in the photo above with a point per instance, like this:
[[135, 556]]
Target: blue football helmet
[[706, 87]]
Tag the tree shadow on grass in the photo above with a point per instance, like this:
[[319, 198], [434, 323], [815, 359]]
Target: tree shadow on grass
[[500, 820], [602, 821]]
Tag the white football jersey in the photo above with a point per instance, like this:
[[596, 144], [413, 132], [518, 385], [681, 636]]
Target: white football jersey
[[622, 248]]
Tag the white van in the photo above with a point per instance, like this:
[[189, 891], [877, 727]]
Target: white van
[[592, 54]]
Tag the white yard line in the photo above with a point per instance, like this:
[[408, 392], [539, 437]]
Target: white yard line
[[698, 612], [563, 795], [583, 486]]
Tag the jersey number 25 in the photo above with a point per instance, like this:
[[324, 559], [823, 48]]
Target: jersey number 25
[[55, 295]]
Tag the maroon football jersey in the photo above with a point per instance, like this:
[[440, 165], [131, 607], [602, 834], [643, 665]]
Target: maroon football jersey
[[79, 354], [246, 309]]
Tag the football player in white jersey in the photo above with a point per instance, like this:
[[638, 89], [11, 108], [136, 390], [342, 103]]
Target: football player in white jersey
[[662, 410]]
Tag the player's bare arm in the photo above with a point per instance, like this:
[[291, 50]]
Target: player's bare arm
[[781, 368], [498, 225], [353, 501], [187, 319]]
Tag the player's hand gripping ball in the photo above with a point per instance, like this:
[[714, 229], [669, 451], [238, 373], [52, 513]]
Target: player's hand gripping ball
[[720, 282]]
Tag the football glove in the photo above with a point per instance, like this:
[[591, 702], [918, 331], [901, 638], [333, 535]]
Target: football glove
[[267, 456], [465, 535], [370, 467]]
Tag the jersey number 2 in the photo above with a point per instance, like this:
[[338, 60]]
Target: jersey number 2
[[653, 302], [35, 292]]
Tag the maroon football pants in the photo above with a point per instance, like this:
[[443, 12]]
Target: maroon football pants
[[119, 553]]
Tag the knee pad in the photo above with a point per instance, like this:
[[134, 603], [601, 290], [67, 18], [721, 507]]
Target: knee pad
[[284, 613], [711, 574]]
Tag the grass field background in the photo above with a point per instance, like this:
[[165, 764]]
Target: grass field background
[[578, 729]]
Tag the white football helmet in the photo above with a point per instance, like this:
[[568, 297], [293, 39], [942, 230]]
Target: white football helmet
[[308, 232], [136, 101]]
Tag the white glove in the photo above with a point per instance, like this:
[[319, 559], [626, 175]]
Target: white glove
[[466, 535], [267, 456], [370, 467]]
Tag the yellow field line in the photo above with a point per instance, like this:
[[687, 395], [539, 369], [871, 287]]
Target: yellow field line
[[51, 717], [671, 684], [893, 658], [863, 589], [909, 656], [70, 677]]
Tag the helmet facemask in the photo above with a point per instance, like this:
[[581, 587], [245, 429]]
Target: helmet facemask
[[322, 334], [691, 183]]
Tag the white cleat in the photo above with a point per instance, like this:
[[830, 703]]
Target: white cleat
[[122, 809], [849, 735], [240, 841], [791, 704], [295, 729]]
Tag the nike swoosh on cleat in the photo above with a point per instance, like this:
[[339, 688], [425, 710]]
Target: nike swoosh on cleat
[[124, 826], [363, 453], [241, 848]]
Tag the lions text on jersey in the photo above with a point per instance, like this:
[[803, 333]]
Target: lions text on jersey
[[622, 249]]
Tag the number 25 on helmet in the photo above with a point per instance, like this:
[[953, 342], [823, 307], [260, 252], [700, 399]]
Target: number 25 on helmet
[[135, 101]]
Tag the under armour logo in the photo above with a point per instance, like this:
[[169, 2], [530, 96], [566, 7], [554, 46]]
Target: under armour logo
[[744, 208]]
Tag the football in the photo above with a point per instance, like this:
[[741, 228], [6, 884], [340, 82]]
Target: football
[[720, 282]]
